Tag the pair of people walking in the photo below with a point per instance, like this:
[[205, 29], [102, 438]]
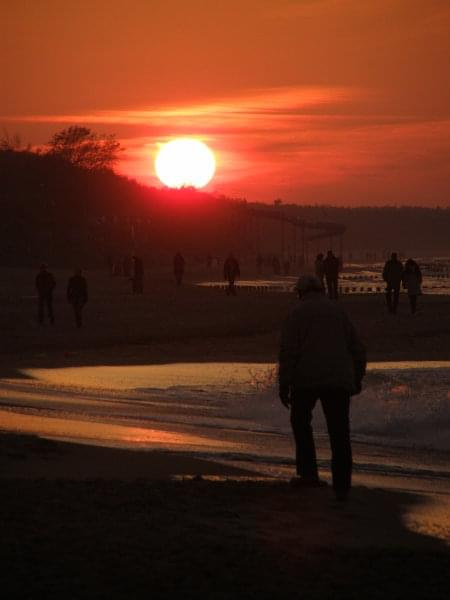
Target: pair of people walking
[[77, 295], [321, 357], [327, 269], [395, 274]]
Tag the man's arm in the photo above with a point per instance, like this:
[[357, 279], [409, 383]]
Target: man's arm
[[287, 360]]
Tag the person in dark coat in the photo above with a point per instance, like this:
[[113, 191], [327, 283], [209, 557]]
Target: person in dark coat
[[231, 272], [45, 284], [412, 281], [319, 269], [321, 357], [331, 271], [77, 295], [138, 275], [393, 275], [178, 268]]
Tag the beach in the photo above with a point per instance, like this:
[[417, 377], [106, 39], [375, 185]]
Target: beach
[[148, 454]]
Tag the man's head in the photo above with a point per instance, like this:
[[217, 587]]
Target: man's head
[[43, 267], [394, 256], [330, 253], [319, 256], [78, 271], [307, 284]]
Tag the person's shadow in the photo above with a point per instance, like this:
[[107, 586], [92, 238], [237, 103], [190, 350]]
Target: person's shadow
[[200, 537]]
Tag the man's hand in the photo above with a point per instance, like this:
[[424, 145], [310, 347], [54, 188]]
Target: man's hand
[[285, 396]]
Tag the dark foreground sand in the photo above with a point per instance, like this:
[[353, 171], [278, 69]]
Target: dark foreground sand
[[89, 522]]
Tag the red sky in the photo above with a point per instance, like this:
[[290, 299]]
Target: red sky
[[343, 102]]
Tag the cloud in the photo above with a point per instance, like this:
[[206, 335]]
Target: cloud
[[295, 142]]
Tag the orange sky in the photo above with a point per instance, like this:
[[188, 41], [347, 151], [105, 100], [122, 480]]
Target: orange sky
[[342, 102]]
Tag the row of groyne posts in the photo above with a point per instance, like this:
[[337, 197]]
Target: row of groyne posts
[[266, 288]]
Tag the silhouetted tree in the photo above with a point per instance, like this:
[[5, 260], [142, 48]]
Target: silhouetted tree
[[12, 143], [84, 148]]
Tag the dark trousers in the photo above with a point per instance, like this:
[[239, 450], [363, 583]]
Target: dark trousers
[[332, 287], [45, 302], [179, 277], [392, 294], [336, 405], [78, 312], [413, 303], [231, 289]]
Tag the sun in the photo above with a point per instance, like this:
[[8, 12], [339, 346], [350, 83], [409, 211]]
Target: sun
[[185, 162]]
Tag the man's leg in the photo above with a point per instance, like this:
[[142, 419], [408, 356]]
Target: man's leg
[[389, 298], [329, 286], [396, 294], [301, 417], [41, 310], [413, 303], [336, 406], [335, 286], [77, 309], [49, 302]]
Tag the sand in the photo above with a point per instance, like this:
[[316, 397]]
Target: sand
[[83, 521]]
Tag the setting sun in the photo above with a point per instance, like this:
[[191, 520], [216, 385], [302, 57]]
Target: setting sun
[[185, 162]]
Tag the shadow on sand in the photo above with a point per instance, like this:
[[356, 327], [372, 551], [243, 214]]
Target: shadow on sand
[[194, 537]]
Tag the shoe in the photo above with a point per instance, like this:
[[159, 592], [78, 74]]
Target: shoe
[[302, 482]]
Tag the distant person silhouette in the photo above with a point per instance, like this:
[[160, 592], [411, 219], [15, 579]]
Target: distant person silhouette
[[77, 295], [322, 358], [138, 275], [331, 271], [412, 281], [319, 269], [393, 275], [45, 284], [286, 266], [231, 272], [178, 268]]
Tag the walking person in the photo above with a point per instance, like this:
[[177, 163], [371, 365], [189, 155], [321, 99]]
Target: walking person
[[231, 272], [319, 269], [393, 275], [178, 268], [412, 281], [45, 284], [138, 275], [331, 272], [77, 295], [321, 357]]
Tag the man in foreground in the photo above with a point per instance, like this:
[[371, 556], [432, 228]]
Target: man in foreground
[[322, 358]]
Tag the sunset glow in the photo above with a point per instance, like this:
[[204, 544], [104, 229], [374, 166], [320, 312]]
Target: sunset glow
[[185, 163]]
